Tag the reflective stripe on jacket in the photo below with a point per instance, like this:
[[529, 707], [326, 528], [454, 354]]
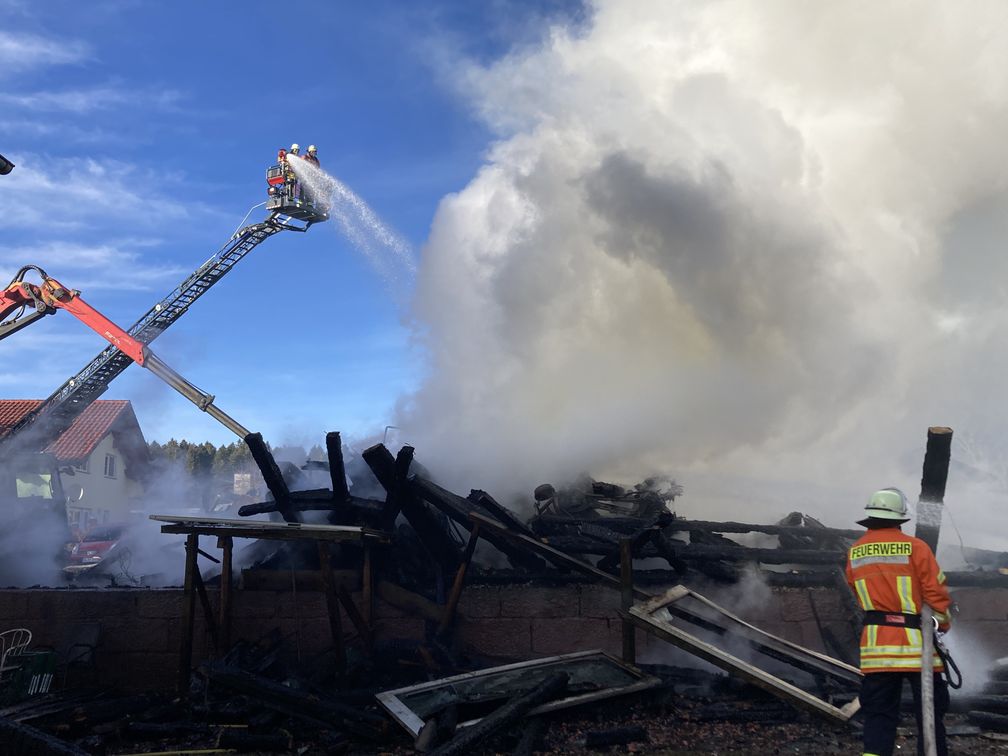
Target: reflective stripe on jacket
[[893, 572]]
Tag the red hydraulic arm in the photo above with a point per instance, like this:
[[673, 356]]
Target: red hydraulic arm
[[49, 296]]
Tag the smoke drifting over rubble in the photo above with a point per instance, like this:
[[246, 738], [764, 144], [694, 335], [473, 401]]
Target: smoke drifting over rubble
[[728, 242]]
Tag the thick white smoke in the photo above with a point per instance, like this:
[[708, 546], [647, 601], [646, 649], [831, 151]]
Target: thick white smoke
[[741, 243]]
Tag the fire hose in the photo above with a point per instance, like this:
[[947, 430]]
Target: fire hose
[[952, 674]]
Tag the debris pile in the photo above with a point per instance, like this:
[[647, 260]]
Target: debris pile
[[412, 543]]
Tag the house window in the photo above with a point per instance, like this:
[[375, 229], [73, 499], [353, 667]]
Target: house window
[[83, 467], [110, 466]]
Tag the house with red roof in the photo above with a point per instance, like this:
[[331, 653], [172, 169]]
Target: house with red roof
[[102, 457]]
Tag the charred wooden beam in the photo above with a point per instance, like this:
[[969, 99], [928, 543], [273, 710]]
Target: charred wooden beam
[[701, 552], [24, 740], [641, 538], [435, 538], [487, 503], [466, 741], [557, 557], [337, 469], [548, 524], [458, 510], [459, 583], [368, 510], [294, 702], [933, 479], [271, 475]]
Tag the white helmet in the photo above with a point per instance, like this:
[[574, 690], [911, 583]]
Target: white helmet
[[311, 149], [295, 148], [887, 504]]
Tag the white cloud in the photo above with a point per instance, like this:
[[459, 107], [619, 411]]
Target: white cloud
[[114, 265], [76, 193], [20, 51], [80, 101], [704, 243]]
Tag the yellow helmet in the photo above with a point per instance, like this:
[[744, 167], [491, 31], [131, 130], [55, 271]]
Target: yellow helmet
[[295, 148], [311, 149]]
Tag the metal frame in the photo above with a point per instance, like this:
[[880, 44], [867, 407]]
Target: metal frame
[[645, 616], [413, 723]]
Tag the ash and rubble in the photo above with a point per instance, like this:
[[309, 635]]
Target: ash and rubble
[[327, 703]]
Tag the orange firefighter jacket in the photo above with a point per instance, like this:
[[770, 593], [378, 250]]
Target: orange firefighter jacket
[[896, 573]]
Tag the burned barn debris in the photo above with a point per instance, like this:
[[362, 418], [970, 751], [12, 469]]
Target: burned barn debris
[[398, 539]]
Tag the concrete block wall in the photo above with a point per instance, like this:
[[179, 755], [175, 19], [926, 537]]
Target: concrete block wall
[[141, 628]]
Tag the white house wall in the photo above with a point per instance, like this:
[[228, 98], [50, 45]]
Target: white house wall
[[105, 499]]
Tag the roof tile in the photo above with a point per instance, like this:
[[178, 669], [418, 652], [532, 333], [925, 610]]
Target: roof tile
[[81, 438]]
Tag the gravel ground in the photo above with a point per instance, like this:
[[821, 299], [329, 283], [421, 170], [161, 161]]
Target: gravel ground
[[681, 727]]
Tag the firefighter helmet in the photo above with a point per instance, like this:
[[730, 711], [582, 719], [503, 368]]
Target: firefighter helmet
[[887, 504], [295, 149], [311, 149]]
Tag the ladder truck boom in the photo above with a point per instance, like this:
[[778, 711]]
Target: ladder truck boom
[[49, 296], [65, 404]]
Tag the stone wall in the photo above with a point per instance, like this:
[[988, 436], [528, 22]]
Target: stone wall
[[141, 628]]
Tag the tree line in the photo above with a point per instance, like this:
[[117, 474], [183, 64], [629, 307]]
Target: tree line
[[202, 460]]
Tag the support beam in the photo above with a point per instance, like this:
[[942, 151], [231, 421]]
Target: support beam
[[337, 470], [188, 614], [271, 475], [332, 607], [226, 545]]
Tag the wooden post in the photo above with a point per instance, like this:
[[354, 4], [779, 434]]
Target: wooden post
[[933, 479], [226, 544], [208, 614], [188, 614], [459, 584], [332, 606], [367, 585], [627, 597], [337, 469]]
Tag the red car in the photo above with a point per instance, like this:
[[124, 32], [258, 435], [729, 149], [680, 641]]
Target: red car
[[97, 545]]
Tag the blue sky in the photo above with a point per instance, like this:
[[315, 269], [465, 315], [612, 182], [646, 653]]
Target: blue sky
[[141, 132]]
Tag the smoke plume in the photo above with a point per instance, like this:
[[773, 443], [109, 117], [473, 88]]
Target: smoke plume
[[755, 246]]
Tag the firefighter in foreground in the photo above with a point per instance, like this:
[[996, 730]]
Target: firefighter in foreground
[[894, 575]]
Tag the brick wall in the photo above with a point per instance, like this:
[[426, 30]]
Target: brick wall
[[141, 628]]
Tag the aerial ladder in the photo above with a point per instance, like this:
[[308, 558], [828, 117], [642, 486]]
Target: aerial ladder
[[289, 210]]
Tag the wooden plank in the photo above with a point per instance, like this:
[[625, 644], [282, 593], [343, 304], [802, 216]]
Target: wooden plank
[[278, 527], [188, 615], [355, 616], [332, 607], [226, 545], [734, 665], [208, 613], [367, 585], [556, 556], [459, 584], [458, 509]]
